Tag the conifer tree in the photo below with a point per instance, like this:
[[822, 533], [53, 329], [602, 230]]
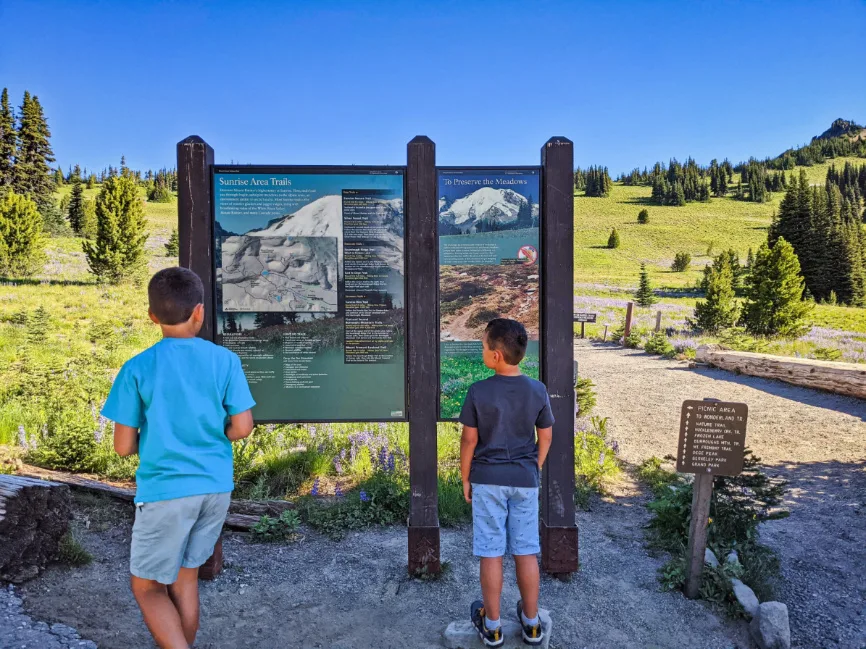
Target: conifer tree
[[76, 206], [58, 178], [8, 139], [720, 309], [33, 156], [172, 248], [21, 242], [613, 239], [91, 181], [644, 296], [643, 216], [88, 220], [681, 263], [118, 249], [774, 305], [750, 259]]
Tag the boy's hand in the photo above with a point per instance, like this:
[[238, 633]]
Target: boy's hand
[[467, 491]]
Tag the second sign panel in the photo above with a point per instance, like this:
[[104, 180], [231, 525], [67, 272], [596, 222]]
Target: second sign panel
[[489, 254]]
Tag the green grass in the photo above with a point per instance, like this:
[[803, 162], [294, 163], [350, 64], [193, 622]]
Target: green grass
[[459, 372]]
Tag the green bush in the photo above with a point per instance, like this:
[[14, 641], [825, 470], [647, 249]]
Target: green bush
[[160, 194], [283, 528], [72, 553], [657, 478], [595, 460], [682, 261], [22, 244], [633, 340], [643, 216], [659, 344], [613, 239], [172, 248], [585, 391], [453, 508]]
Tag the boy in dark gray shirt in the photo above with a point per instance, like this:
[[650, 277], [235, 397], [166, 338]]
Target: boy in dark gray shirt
[[500, 462]]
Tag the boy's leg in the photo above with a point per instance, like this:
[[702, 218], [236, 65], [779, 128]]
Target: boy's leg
[[523, 543], [160, 615], [491, 585], [184, 596], [489, 514], [528, 580]]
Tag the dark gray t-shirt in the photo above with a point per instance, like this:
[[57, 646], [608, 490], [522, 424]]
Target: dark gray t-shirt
[[506, 410]]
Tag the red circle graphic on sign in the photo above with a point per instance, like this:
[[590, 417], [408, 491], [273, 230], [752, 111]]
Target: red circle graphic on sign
[[527, 254]]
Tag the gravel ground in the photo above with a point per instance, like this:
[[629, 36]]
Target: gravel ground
[[354, 594], [19, 631], [816, 440]]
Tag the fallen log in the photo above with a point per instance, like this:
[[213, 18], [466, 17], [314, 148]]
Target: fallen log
[[842, 378], [34, 516]]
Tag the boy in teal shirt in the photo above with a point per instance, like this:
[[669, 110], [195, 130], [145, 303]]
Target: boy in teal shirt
[[179, 405]]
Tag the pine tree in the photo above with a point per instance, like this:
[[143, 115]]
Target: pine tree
[[774, 305], [613, 240], [644, 296], [58, 178], [118, 250], [643, 216], [231, 326], [91, 181], [21, 242], [681, 263], [34, 155], [750, 259], [88, 220], [8, 139], [720, 309], [76, 206], [172, 248]]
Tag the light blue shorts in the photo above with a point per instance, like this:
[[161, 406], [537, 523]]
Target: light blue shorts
[[504, 518], [169, 534]]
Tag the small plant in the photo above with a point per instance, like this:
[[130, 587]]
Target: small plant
[[72, 553], [284, 528], [613, 239], [659, 344], [633, 340], [827, 354], [656, 477], [595, 460], [645, 296], [643, 216], [682, 261], [586, 399], [172, 248]]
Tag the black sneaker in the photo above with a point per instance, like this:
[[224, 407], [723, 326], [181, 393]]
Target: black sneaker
[[489, 638], [532, 633]]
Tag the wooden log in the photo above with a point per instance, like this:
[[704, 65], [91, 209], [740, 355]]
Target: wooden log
[[842, 378], [34, 516]]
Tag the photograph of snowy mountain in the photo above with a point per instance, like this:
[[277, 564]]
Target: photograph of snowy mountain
[[486, 209]]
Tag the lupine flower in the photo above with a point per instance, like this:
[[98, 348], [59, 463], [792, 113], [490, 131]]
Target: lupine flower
[[338, 492], [337, 466], [391, 463], [364, 497], [22, 437], [312, 430], [615, 447], [315, 490]]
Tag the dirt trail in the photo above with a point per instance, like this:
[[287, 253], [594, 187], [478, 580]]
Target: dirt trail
[[817, 441]]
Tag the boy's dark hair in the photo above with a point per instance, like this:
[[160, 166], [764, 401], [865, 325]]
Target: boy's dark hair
[[508, 337], [173, 294]]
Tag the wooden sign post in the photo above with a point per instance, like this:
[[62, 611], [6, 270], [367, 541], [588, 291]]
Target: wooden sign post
[[712, 442], [583, 318]]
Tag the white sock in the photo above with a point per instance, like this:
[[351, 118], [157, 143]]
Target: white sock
[[491, 625], [530, 621]]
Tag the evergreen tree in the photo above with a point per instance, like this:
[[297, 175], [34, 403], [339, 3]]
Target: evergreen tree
[[643, 216], [118, 249], [8, 139], [76, 206], [750, 259], [613, 239], [21, 242], [88, 220], [644, 296], [33, 157], [681, 263], [172, 248], [720, 309], [774, 305], [58, 178], [91, 181], [231, 326]]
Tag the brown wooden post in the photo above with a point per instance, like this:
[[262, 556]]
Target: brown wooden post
[[703, 491], [194, 220], [604, 340], [195, 235], [658, 321], [583, 330], [422, 276], [629, 311], [559, 536]]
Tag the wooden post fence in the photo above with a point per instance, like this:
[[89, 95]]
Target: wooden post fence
[[629, 312], [559, 535], [422, 272], [658, 321]]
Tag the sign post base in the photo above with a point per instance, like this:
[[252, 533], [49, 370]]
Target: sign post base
[[424, 551], [559, 550]]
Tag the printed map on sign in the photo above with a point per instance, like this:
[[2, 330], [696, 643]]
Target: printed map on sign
[[293, 274]]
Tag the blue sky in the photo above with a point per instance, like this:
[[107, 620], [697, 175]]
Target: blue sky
[[328, 82]]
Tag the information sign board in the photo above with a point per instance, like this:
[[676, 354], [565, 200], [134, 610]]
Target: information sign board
[[585, 317], [309, 289], [489, 247], [712, 437]]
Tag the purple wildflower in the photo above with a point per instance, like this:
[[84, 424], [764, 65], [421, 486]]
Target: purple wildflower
[[338, 492], [364, 497], [312, 430], [315, 490], [22, 437], [615, 447], [391, 463], [338, 467]]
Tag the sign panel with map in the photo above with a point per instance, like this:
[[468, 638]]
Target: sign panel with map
[[489, 250], [310, 289]]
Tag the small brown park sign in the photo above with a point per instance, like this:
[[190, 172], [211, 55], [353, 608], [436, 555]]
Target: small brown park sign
[[712, 437]]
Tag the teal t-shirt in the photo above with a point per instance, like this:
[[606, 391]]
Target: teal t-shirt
[[179, 394]]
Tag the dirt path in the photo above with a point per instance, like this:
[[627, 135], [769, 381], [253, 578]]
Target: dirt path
[[815, 440], [354, 594]]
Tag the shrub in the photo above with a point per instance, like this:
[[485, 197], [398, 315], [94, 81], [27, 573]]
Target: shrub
[[172, 248], [645, 296], [633, 340], [682, 261], [657, 478], [22, 245], [585, 391], [720, 309], [613, 239], [595, 461], [659, 344], [72, 553], [284, 528], [643, 216], [160, 194]]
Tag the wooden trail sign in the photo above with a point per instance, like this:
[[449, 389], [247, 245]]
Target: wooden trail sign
[[712, 442], [583, 318]]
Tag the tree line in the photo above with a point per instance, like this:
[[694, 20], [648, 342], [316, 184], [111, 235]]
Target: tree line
[[594, 181]]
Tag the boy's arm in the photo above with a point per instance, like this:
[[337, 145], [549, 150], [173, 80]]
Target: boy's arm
[[468, 442], [240, 426], [125, 440], [545, 437]]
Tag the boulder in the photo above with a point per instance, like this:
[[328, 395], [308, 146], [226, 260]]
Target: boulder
[[746, 597], [770, 628], [462, 635], [733, 557], [710, 558]]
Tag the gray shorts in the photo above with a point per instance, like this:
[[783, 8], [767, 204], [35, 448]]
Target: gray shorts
[[504, 519], [168, 534]]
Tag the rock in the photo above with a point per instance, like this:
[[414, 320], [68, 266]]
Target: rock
[[64, 631], [710, 558], [462, 635], [746, 597], [733, 557], [770, 628]]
